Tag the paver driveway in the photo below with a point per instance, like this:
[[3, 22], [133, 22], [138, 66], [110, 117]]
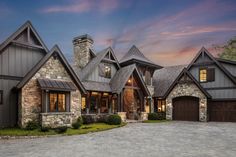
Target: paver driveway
[[134, 140]]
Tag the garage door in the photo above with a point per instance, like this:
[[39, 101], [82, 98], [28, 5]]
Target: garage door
[[186, 109], [223, 111]]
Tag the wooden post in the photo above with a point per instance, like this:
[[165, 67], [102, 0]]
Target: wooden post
[[121, 101], [110, 104], [88, 102]]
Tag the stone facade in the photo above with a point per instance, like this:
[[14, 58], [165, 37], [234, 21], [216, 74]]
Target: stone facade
[[82, 52], [187, 89], [151, 90], [56, 119], [122, 115], [144, 116], [30, 97]]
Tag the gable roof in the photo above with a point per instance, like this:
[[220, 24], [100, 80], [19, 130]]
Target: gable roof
[[187, 73], [206, 52], [94, 63], [54, 50], [135, 55], [26, 26], [97, 86], [118, 82], [163, 78]]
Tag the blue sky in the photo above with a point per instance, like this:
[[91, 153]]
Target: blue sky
[[166, 31]]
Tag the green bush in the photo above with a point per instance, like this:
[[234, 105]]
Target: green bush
[[114, 119], [61, 129], [80, 120], [156, 116], [44, 129], [32, 125], [76, 125], [87, 119], [152, 116]]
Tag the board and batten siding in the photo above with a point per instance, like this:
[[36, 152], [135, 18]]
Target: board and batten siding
[[221, 81], [94, 75], [15, 63]]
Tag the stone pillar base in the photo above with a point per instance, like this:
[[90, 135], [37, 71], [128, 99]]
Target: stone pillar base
[[122, 115], [144, 116]]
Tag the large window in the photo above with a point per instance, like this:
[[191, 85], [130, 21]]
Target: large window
[[161, 105], [105, 70], [1, 97], [207, 74], [57, 102]]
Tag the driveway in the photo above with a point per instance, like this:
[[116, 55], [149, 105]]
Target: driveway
[[181, 139]]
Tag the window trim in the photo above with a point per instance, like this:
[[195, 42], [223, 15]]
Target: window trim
[[1, 97], [67, 109]]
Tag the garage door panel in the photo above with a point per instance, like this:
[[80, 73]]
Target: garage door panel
[[186, 108], [223, 111]]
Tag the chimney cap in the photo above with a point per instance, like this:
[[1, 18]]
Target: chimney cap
[[83, 37]]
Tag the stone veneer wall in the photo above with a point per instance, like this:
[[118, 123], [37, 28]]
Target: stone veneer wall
[[30, 97], [187, 89], [151, 90]]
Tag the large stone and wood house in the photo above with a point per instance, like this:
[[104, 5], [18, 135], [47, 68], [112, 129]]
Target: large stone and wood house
[[37, 84]]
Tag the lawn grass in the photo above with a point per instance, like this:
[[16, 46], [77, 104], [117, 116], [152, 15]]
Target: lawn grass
[[155, 121], [70, 131]]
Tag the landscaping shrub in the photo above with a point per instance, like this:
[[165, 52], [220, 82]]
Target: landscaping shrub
[[31, 125], [87, 119], [157, 116], [44, 129], [80, 120], [114, 120], [152, 116], [76, 125], [61, 129], [161, 115]]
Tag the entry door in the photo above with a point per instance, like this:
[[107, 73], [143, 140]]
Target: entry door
[[186, 109], [131, 103]]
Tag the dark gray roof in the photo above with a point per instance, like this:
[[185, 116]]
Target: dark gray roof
[[163, 79], [54, 51], [94, 63], [134, 54], [118, 82], [56, 85], [97, 86]]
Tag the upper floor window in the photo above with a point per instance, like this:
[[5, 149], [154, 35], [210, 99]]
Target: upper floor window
[[1, 97], [207, 75], [105, 70], [57, 102]]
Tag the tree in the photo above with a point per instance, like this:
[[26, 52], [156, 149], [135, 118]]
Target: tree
[[229, 50]]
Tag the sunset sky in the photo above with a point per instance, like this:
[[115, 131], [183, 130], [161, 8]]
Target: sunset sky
[[168, 32]]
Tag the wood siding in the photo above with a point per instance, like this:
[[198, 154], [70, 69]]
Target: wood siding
[[94, 75], [17, 61], [222, 82], [8, 110]]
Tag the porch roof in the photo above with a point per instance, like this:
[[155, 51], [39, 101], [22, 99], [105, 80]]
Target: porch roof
[[97, 86], [56, 85]]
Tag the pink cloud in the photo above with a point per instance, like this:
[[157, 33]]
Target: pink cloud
[[83, 6]]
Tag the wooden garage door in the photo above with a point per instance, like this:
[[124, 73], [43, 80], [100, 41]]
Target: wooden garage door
[[186, 108], [223, 111]]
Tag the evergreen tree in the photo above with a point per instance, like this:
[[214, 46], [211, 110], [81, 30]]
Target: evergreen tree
[[229, 50]]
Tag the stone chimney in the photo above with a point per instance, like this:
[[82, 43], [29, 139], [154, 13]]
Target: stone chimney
[[82, 45]]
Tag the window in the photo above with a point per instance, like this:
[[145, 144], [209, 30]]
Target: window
[[105, 70], [161, 106], [207, 75], [57, 102], [1, 97], [203, 75], [83, 105]]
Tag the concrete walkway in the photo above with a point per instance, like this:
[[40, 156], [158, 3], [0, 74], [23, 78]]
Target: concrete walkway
[[180, 139]]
